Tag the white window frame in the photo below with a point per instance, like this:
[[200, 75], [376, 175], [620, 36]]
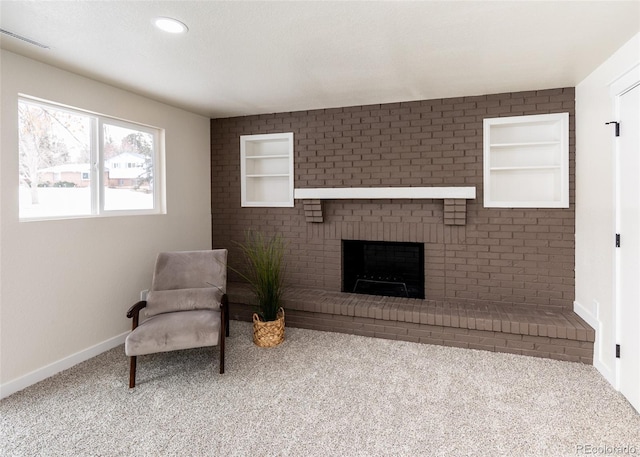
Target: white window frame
[[97, 163]]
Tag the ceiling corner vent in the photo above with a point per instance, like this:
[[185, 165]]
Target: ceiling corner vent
[[25, 39]]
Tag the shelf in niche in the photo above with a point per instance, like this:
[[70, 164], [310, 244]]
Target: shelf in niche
[[526, 161], [532, 167], [266, 170], [269, 156], [525, 144]]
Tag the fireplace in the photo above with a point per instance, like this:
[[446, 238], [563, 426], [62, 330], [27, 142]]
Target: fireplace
[[392, 269]]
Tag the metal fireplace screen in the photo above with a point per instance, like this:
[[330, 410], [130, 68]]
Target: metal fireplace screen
[[386, 268]]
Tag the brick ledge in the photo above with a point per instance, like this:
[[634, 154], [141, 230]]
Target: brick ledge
[[510, 319]]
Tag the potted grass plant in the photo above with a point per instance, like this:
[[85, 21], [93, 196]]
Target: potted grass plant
[[265, 273]]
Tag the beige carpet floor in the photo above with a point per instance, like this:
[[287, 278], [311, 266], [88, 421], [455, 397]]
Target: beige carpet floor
[[321, 394]]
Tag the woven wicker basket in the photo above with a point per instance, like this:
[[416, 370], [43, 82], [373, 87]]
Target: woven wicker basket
[[268, 334]]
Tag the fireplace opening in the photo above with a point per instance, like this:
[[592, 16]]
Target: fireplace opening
[[392, 269]]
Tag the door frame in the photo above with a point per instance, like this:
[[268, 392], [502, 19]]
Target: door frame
[[618, 88]]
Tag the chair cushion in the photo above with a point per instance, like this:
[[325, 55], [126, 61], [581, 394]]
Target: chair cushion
[[168, 301], [174, 331]]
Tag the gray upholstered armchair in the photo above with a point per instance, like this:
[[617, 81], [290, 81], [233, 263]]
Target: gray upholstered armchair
[[185, 308]]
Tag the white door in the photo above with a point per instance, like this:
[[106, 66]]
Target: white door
[[628, 254]]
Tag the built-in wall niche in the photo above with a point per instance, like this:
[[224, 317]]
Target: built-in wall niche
[[393, 269], [266, 170], [526, 161]]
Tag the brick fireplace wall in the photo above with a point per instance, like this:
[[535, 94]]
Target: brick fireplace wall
[[519, 256]]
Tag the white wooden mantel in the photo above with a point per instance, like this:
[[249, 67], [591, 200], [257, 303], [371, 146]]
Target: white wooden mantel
[[351, 193], [454, 198]]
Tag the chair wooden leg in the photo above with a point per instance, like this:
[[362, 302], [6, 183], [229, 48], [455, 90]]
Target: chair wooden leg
[[225, 305], [222, 350], [132, 372]]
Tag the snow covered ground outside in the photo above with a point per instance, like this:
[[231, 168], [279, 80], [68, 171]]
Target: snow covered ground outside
[[76, 201]]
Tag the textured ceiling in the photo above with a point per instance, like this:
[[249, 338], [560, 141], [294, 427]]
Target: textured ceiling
[[259, 57]]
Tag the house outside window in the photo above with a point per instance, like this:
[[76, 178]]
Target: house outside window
[[76, 164]]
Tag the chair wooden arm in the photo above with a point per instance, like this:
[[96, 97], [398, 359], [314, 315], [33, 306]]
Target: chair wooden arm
[[134, 312], [135, 309]]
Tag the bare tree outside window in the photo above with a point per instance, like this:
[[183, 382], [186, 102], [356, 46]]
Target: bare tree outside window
[[52, 144]]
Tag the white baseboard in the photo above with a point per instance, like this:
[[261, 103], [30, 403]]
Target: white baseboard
[[591, 318], [607, 372], [47, 371]]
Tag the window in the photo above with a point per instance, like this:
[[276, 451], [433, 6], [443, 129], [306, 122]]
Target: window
[[73, 163]]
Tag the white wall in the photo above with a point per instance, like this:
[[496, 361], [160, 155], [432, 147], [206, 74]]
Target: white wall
[[595, 215], [66, 285]]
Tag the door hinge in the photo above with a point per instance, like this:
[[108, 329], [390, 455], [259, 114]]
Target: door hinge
[[617, 240], [617, 351], [617, 126]]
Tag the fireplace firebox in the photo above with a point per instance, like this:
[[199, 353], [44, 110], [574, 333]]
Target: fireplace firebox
[[394, 269]]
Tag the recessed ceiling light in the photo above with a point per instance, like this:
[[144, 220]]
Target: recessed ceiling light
[[170, 25]]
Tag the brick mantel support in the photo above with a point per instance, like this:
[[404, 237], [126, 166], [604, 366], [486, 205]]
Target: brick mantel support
[[313, 210], [455, 211]]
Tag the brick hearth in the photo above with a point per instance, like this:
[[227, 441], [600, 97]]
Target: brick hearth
[[550, 333]]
